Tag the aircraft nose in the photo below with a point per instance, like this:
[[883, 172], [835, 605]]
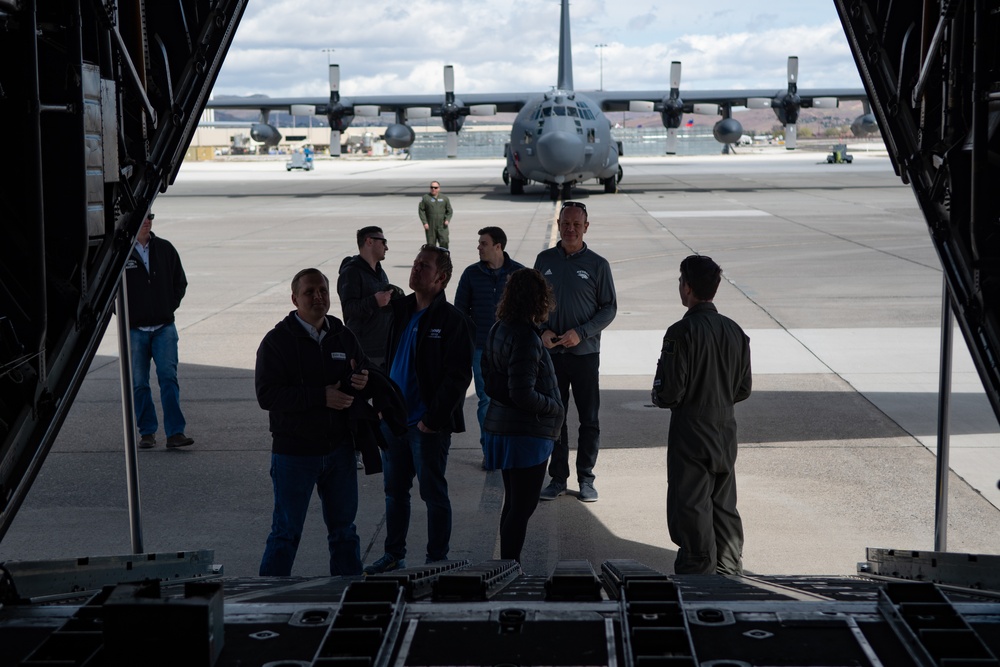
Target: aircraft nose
[[560, 152]]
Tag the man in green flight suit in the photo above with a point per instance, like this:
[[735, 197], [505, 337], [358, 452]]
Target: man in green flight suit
[[435, 214]]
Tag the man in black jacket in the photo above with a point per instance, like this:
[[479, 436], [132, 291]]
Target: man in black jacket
[[364, 291], [430, 359], [704, 369], [156, 283], [309, 369]]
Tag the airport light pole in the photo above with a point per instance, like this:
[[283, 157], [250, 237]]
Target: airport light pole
[[600, 50]]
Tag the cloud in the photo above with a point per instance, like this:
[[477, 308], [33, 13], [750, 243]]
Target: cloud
[[386, 47]]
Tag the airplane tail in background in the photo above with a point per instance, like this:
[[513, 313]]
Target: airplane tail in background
[[565, 51]]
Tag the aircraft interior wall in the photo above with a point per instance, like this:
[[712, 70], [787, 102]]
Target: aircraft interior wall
[[931, 71], [108, 96]]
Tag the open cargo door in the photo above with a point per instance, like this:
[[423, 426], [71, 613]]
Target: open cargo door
[[105, 97]]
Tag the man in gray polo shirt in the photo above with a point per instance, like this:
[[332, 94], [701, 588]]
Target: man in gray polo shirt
[[585, 305]]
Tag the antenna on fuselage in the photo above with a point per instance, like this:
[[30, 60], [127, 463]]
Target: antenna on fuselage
[[565, 51]]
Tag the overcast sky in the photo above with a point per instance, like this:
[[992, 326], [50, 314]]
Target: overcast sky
[[396, 47]]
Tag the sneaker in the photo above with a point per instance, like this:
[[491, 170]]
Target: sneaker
[[361, 463], [553, 490], [588, 493], [147, 441], [179, 440], [387, 563]]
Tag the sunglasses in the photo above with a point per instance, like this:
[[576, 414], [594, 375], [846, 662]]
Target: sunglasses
[[574, 204], [435, 187], [379, 238]]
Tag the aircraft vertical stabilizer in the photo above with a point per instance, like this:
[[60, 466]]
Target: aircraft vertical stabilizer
[[565, 51]]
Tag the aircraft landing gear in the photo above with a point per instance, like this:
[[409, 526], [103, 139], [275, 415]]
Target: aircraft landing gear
[[610, 187], [554, 191], [516, 187], [567, 191]]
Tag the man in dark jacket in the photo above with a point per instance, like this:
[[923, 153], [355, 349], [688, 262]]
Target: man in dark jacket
[[586, 304], [309, 369], [156, 283], [704, 369], [363, 288], [430, 359], [479, 291]]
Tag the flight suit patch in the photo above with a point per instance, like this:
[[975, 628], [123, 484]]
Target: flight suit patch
[[669, 346]]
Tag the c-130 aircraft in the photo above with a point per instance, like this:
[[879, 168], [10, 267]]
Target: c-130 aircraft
[[559, 138]]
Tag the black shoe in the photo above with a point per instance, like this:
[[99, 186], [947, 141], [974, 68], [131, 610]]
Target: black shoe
[[179, 440], [147, 441], [387, 563], [588, 493], [553, 490]]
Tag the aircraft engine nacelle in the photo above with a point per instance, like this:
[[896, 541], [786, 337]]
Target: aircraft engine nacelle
[[265, 134], [864, 125], [728, 131], [398, 135], [483, 110]]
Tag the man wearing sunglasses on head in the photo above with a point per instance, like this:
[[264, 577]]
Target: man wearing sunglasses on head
[[585, 305]]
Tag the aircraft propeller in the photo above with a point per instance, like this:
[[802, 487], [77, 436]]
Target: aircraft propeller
[[786, 106], [452, 115], [454, 111], [791, 103], [673, 108], [337, 114]]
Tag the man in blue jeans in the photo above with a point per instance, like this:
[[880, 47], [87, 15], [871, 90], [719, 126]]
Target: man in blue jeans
[[430, 359], [156, 283], [479, 291], [309, 369]]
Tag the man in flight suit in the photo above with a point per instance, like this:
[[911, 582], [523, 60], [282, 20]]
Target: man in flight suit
[[435, 215], [704, 369]]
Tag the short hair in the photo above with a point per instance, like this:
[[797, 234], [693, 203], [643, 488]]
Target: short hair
[[442, 260], [365, 232], [702, 275], [527, 297], [307, 272], [496, 234]]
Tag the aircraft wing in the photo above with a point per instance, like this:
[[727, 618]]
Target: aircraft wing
[[504, 102], [341, 110], [623, 100], [673, 103]]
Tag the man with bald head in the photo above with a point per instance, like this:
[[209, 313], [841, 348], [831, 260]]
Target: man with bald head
[[585, 305]]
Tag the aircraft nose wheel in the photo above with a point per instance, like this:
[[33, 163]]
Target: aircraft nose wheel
[[565, 191]]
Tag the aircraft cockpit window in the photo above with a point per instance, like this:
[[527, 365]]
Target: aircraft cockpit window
[[591, 135], [571, 111], [546, 111], [527, 136], [537, 113], [559, 111], [585, 111]]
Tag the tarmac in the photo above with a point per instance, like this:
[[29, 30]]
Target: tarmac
[[828, 267]]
